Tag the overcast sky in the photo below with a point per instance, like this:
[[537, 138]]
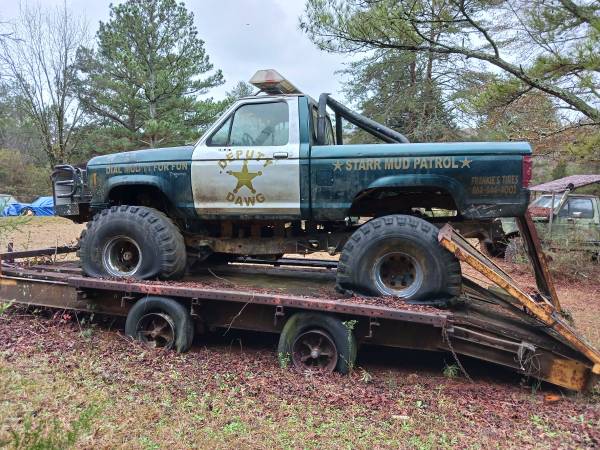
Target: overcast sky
[[241, 36]]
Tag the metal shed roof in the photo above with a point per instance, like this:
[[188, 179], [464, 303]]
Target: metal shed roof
[[570, 182]]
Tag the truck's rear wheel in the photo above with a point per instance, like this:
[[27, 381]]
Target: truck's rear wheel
[[132, 241], [398, 256]]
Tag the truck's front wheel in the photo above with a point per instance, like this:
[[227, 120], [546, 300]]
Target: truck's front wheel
[[399, 256], [132, 241]]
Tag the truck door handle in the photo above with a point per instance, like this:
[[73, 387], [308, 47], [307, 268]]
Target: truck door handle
[[280, 155]]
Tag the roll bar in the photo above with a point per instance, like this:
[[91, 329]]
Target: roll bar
[[342, 112]]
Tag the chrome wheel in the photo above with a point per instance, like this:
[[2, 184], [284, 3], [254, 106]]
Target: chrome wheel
[[156, 330], [398, 274], [314, 349], [122, 256]]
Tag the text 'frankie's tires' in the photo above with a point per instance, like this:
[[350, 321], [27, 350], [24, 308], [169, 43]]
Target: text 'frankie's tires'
[[399, 256], [160, 322], [132, 241], [316, 341]]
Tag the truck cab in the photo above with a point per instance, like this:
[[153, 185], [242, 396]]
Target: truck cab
[[248, 163]]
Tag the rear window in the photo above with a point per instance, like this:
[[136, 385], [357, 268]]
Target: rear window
[[546, 200], [329, 135]]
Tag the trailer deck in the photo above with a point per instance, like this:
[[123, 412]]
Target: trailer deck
[[503, 325]]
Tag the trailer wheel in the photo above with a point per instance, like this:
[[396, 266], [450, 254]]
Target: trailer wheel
[[493, 249], [314, 341], [398, 256], [160, 322], [132, 241]]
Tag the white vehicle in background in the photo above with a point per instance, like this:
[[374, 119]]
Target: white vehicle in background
[[7, 199]]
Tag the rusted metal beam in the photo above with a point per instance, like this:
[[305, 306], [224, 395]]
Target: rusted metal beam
[[324, 263], [10, 255], [56, 294], [537, 257], [243, 296], [543, 310]]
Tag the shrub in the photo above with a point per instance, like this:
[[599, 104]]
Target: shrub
[[569, 255], [20, 178]]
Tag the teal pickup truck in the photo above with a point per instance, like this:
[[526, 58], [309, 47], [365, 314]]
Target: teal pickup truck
[[272, 176]]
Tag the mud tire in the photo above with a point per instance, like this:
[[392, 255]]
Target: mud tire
[[415, 237], [158, 239]]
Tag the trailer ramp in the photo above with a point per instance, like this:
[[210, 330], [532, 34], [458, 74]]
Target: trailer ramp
[[516, 300]]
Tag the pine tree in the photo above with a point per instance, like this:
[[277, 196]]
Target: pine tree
[[145, 76], [400, 90]]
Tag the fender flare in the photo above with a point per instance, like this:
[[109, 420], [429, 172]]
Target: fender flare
[[135, 180], [448, 184]]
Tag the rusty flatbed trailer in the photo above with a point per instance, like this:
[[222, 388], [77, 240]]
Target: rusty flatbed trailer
[[498, 325]]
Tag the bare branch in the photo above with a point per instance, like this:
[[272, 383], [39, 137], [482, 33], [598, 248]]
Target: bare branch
[[39, 58]]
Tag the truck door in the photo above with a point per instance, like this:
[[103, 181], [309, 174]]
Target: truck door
[[575, 222], [247, 163]]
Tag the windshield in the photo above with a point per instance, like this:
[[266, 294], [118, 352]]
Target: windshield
[[545, 201]]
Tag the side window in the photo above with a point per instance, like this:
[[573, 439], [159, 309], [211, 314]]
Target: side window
[[581, 207], [260, 124], [220, 137]]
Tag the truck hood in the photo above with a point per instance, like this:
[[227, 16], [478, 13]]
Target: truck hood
[[182, 153]]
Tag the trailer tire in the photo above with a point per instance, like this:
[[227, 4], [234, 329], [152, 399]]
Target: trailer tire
[[153, 242], [493, 249], [177, 330], [331, 331], [400, 256]]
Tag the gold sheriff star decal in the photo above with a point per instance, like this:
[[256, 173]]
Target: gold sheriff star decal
[[244, 178], [466, 163]]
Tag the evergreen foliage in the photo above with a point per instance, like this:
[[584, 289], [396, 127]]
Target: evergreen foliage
[[144, 79]]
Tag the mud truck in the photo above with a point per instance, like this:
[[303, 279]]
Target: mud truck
[[273, 176]]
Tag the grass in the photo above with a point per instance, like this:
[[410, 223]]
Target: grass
[[215, 418], [59, 389], [451, 371], [50, 433]]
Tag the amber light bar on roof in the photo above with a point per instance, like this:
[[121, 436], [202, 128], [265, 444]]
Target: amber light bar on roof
[[272, 82]]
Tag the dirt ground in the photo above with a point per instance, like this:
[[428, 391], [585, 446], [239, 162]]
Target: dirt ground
[[68, 380], [38, 232]]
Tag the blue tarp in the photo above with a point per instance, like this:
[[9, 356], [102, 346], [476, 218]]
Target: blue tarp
[[12, 209], [43, 206]]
